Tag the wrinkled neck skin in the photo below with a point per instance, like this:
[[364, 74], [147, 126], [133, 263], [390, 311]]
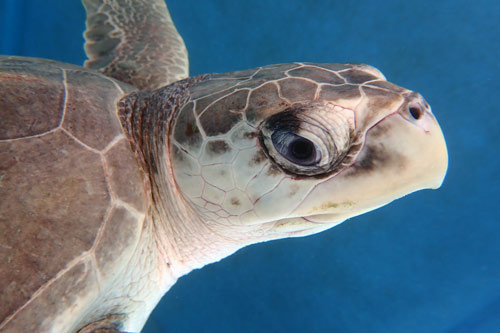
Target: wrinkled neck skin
[[175, 239], [183, 240]]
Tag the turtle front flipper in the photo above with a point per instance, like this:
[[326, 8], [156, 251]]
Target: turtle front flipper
[[135, 42]]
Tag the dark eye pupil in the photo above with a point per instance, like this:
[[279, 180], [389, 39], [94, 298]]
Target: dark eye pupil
[[416, 113], [301, 149], [295, 148]]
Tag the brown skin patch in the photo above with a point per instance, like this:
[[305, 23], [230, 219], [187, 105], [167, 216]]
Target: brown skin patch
[[257, 159], [235, 102], [219, 120], [263, 102], [380, 130], [203, 102], [357, 76], [294, 189], [373, 157], [250, 135], [235, 202], [333, 93], [329, 205], [191, 129], [178, 155], [317, 74], [218, 147], [110, 324], [273, 170], [297, 90], [186, 131], [380, 94], [388, 85], [224, 114]]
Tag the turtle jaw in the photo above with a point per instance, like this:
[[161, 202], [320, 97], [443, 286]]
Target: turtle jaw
[[401, 154]]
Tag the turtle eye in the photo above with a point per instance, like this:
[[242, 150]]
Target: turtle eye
[[307, 139], [295, 148]]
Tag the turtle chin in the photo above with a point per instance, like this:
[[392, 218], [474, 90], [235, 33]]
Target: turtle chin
[[299, 226], [402, 153]]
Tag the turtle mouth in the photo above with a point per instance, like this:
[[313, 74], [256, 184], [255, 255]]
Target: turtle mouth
[[402, 153], [304, 225], [339, 217], [326, 218], [314, 223]]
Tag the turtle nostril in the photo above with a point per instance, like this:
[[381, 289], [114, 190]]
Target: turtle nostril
[[415, 112]]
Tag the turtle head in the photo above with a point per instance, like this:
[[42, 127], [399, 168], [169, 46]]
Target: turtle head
[[290, 150]]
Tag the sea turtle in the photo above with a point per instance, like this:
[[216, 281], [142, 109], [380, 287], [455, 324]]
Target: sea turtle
[[120, 177]]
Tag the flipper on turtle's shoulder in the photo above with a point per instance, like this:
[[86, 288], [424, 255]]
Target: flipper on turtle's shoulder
[[135, 42]]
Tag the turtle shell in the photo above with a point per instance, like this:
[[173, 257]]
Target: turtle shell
[[71, 191]]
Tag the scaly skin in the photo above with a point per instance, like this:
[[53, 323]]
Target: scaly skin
[[228, 173], [218, 186]]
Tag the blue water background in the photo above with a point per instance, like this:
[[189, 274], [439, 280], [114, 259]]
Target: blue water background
[[429, 262]]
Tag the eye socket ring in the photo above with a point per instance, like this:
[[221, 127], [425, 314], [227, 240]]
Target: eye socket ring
[[307, 140]]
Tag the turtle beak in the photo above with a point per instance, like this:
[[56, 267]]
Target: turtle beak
[[425, 143], [414, 135], [402, 153]]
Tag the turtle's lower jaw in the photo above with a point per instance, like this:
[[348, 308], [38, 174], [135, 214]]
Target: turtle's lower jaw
[[402, 153]]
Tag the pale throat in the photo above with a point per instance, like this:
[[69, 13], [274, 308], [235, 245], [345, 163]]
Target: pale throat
[[184, 239]]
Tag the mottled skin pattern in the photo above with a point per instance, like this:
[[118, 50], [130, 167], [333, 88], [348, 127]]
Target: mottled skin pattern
[[116, 31], [226, 166], [110, 193]]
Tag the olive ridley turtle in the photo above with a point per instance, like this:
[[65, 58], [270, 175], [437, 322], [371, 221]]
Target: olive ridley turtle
[[121, 176]]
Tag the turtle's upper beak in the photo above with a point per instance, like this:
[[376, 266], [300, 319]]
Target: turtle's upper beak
[[402, 153], [420, 141]]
